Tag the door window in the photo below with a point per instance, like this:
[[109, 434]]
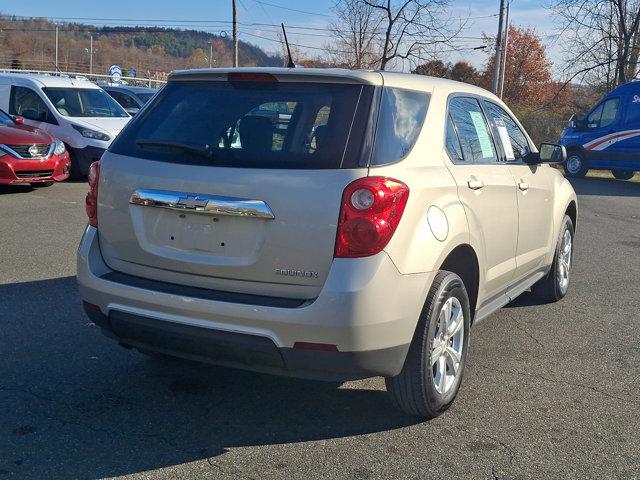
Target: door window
[[604, 114], [473, 131], [516, 146], [28, 104], [452, 142]]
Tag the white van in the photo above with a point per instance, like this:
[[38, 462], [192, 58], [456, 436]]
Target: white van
[[73, 110]]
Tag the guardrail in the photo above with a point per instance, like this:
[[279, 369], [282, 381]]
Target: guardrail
[[93, 77]]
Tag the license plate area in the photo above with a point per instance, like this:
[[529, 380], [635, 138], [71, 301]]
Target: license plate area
[[189, 237]]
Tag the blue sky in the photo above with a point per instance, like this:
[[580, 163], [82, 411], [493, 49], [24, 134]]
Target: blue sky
[[312, 13]]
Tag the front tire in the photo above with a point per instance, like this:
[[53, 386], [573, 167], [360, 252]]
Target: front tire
[[555, 284], [623, 174], [432, 372], [576, 165]]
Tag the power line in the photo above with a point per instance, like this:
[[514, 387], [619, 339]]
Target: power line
[[262, 2]]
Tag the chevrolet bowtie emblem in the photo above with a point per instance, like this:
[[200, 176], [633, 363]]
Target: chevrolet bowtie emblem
[[191, 202]]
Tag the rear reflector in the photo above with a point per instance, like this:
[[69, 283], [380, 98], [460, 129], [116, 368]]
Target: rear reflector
[[91, 306], [324, 347], [251, 77]]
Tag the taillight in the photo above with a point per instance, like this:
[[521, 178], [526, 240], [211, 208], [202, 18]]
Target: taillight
[[370, 213], [91, 200]]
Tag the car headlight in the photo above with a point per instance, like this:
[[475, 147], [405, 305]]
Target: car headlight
[[59, 150], [94, 134]]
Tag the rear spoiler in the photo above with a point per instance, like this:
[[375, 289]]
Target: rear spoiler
[[281, 75]]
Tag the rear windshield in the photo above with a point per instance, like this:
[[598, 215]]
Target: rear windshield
[[295, 125], [145, 97], [84, 102]]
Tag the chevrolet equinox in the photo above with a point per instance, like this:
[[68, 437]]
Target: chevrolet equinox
[[324, 224]]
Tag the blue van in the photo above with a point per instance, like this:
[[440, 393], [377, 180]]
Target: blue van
[[608, 137]]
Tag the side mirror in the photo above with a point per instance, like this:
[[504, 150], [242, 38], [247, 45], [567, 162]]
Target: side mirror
[[18, 120], [548, 153]]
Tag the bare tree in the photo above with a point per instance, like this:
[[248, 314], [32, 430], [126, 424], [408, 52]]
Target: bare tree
[[412, 28], [356, 35], [602, 39], [375, 33]]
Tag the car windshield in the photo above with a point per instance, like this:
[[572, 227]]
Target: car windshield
[[271, 125], [5, 119], [145, 97], [84, 102]]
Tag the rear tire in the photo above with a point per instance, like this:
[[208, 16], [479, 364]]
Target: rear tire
[[576, 165], [41, 184], [433, 369], [623, 174], [555, 284]]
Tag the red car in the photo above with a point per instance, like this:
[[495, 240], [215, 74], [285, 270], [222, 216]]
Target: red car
[[30, 155]]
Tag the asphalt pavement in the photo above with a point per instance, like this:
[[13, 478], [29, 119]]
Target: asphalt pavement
[[550, 391]]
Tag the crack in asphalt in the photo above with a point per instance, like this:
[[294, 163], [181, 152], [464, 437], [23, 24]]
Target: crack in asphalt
[[619, 395]]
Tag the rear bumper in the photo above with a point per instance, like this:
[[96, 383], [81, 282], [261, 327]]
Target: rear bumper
[[17, 171], [366, 308]]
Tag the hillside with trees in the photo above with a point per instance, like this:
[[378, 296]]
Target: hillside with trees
[[152, 51]]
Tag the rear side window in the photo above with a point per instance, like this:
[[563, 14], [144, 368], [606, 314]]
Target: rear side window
[[294, 125], [123, 99], [400, 121], [475, 138]]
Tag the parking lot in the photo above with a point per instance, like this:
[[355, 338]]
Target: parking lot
[[550, 391]]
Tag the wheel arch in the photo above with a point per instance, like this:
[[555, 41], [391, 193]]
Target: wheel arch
[[463, 261], [572, 212]]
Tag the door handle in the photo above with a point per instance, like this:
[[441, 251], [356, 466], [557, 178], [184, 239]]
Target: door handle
[[475, 184], [524, 186]]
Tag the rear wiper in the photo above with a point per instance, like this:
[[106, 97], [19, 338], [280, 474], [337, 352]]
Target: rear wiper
[[176, 145]]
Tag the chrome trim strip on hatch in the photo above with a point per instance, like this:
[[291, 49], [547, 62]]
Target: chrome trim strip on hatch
[[202, 204]]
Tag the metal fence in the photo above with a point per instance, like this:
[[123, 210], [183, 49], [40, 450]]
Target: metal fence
[[93, 77]]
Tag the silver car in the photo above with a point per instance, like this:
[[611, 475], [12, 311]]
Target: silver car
[[326, 224]]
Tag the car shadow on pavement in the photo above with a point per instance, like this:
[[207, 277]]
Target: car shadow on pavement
[[605, 187], [11, 189], [84, 407]]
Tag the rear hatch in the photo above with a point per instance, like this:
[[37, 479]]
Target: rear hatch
[[234, 181]]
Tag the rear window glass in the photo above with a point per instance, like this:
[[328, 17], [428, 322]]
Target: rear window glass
[[245, 124], [402, 114]]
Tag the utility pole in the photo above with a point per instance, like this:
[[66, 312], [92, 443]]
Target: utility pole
[[505, 52], [90, 54], [235, 33], [210, 53], [497, 63], [57, 69]]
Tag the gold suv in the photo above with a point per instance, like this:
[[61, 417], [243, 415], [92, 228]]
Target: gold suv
[[325, 224]]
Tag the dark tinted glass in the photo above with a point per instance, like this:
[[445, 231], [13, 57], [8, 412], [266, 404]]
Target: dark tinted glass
[[28, 104], [452, 143], [271, 125], [473, 131], [123, 99], [400, 121], [604, 114], [517, 139], [5, 119]]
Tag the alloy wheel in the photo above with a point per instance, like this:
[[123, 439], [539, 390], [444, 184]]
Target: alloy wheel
[[446, 352]]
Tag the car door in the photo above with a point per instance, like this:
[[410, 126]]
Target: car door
[[28, 104], [629, 141], [487, 191], [603, 129], [535, 190]]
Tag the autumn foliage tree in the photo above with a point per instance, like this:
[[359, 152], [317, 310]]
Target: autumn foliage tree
[[542, 104], [460, 71]]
